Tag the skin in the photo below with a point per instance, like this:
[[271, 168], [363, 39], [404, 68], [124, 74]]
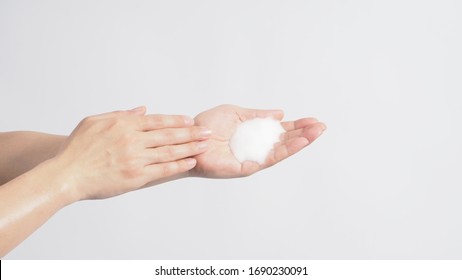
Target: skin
[[114, 153], [219, 162]]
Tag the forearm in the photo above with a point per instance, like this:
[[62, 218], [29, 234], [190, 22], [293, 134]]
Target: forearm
[[29, 200], [23, 150], [106, 155]]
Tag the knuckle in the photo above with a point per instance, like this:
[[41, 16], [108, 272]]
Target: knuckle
[[163, 121], [168, 169], [90, 124], [109, 124], [179, 120], [117, 123], [131, 169], [170, 152], [158, 121], [87, 121], [194, 133], [196, 147], [127, 141], [169, 134], [187, 150]]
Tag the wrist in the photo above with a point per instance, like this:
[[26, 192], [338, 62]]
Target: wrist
[[60, 181]]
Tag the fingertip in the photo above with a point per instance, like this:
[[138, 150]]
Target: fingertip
[[191, 163], [314, 132], [141, 110], [277, 114], [188, 121]]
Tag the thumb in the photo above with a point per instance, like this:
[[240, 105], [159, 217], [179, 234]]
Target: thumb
[[275, 114]]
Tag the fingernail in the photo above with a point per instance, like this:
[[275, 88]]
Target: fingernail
[[202, 145], [205, 132], [138, 109], [191, 162], [188, 120], [324, 127]]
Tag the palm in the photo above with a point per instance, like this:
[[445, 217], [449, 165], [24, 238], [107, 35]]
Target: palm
[[219, 162]]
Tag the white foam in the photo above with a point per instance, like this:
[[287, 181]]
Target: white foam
[[254, 139]]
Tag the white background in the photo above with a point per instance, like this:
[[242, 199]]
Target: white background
[[383, 182]]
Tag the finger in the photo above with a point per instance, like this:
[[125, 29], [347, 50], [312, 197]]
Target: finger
[[151, 122], [291, 125], [249, 167], [293, 145], [285, 150], [171, 136], [162, 170], [302, 132], [141, 110], [248, 114], [313, 132], [175, 152]]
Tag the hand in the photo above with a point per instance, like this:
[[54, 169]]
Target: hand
[[113, 153], [219, 162]]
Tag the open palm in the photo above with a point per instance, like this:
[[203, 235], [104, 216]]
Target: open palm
[[219, 162]]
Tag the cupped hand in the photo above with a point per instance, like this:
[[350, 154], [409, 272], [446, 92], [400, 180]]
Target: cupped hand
[[219, 162], [113, 153]]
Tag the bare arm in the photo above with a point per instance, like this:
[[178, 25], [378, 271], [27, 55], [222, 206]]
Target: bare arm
[[118, 152], [28, 201], [106, 155], [23, 150]]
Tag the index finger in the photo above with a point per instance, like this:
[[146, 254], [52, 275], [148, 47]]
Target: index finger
[[152, 122], [301, 123]]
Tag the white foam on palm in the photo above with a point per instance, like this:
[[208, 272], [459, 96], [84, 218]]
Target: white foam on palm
[[255, 138]]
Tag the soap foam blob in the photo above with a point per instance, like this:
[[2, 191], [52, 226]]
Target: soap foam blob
[[255, 138]]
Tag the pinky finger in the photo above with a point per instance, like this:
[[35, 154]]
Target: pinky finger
[[163, 170]]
